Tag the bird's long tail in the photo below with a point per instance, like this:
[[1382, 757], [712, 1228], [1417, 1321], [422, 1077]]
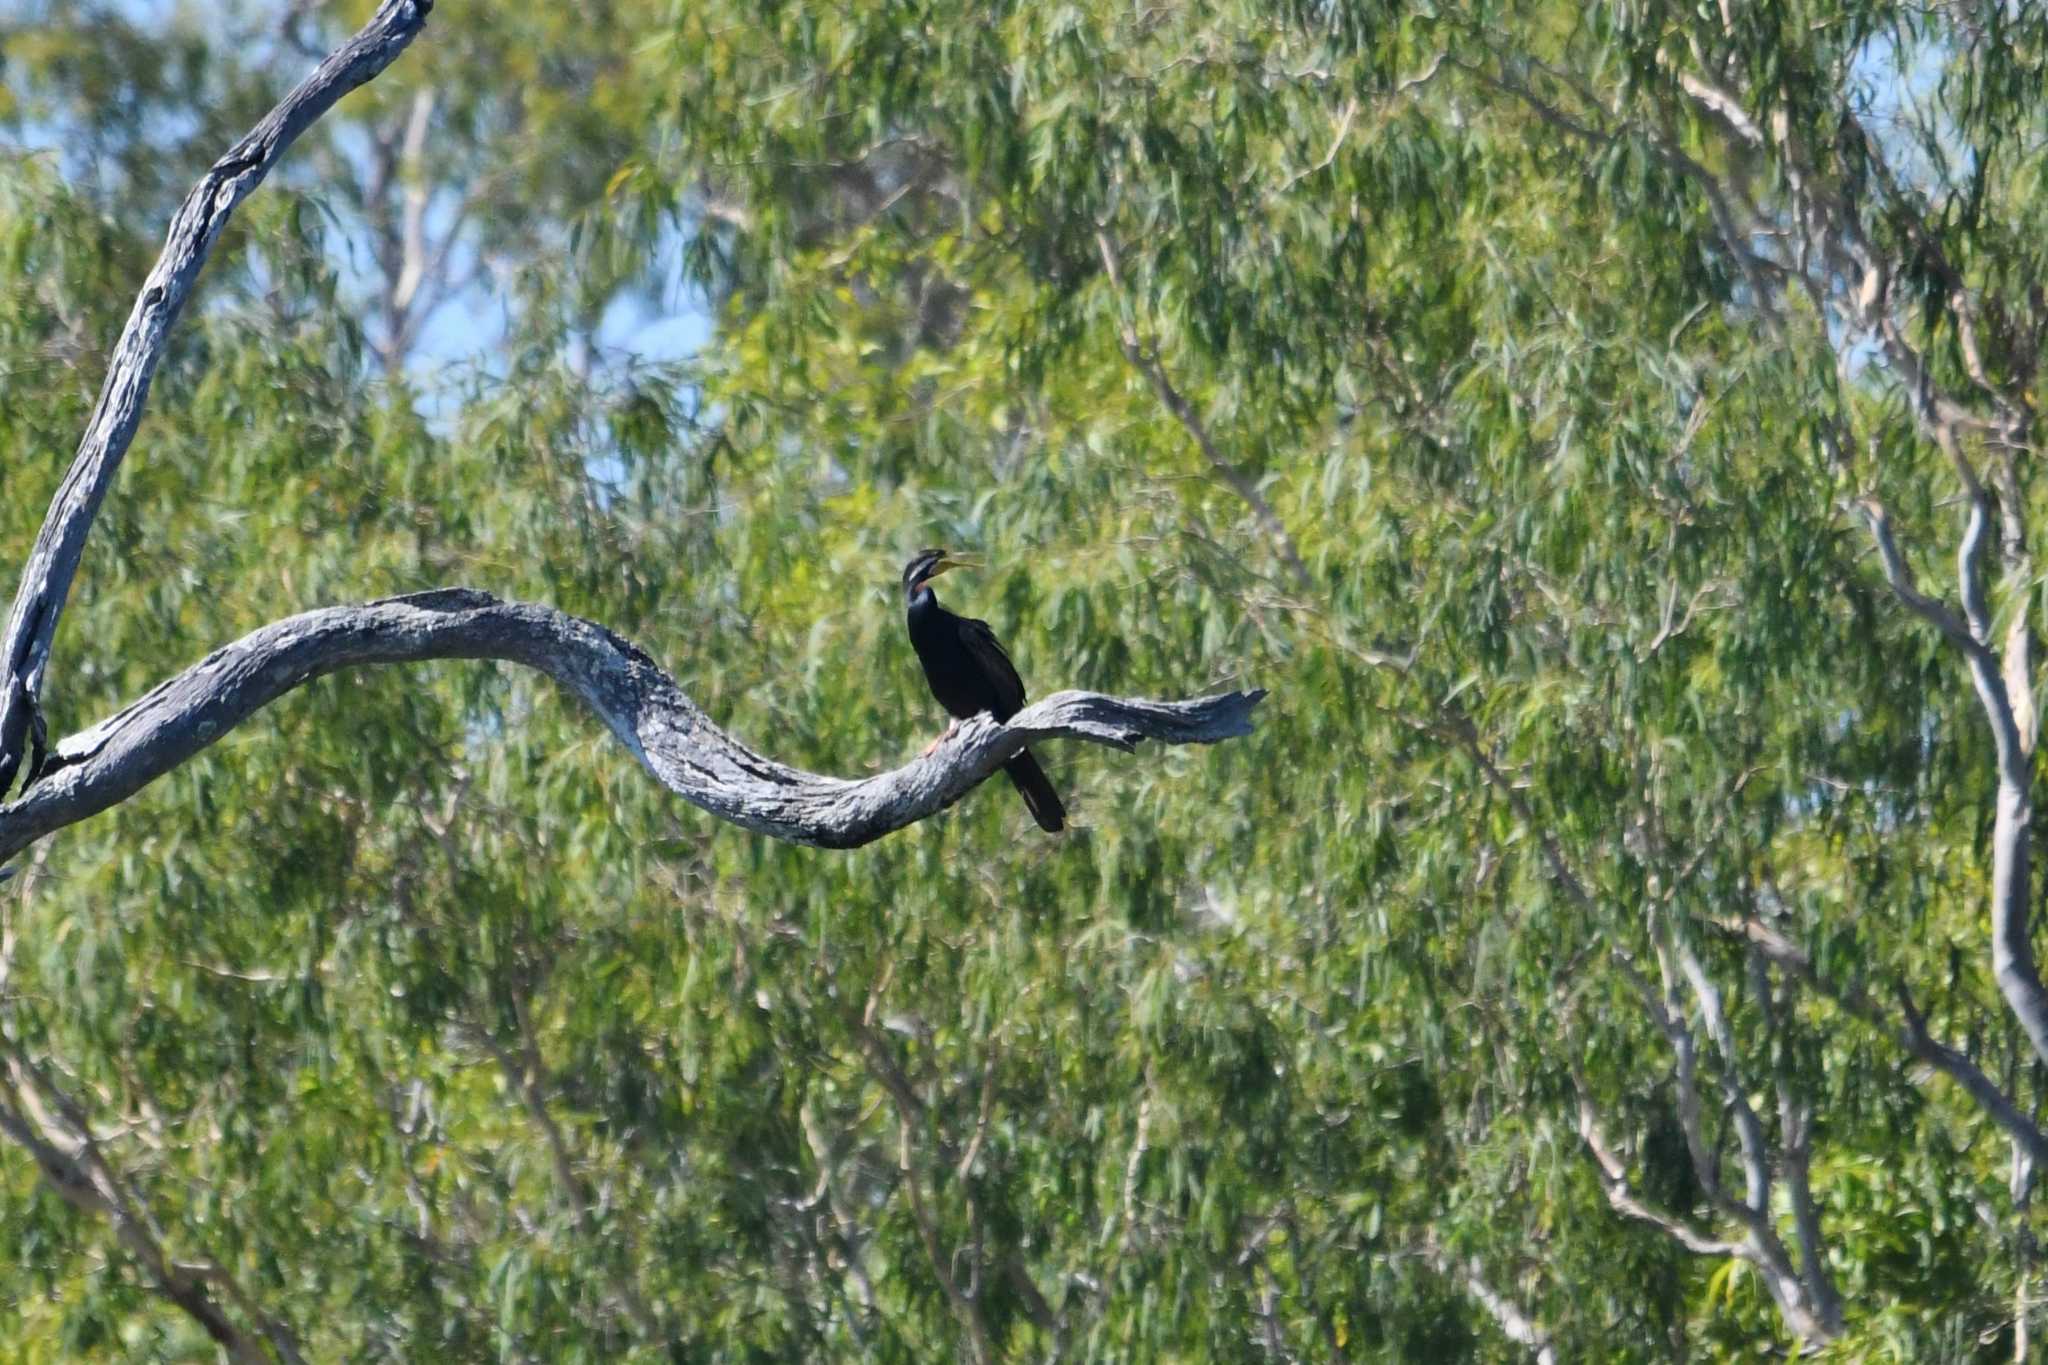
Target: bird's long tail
[[1038, 793]]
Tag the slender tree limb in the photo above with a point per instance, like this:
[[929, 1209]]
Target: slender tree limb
[[1668, 1013], [46, 578], [844, 1224], [72, 1163], [413, 257], [1344, 121], [1146, 363], [1910, 1029], [646, 710], [966, 1306], [1515, 1324], [527, 1075], [1761, 1246], [2012, 951], [1970, 570], [1614, 1180], [1722, 103], [1749, 1130], [1899, 575], [1141, 1143], [1956, 1064], [1795, 1130]]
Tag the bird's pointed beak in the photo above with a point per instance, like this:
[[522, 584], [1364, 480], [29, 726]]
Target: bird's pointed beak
[[955, 562]]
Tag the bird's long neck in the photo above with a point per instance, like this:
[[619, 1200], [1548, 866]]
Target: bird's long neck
[[926, 619]]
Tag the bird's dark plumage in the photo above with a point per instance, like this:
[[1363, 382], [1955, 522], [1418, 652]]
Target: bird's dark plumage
[[970, 673]]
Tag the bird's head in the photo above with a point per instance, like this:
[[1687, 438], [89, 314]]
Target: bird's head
[[929, 564]]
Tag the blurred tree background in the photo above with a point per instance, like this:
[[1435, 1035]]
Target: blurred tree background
[[1590, 956]]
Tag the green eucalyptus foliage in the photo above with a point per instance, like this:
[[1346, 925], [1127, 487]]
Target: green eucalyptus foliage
[[416, 1007]]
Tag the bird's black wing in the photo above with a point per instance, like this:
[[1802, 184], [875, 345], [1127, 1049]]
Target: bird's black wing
[[986, 656], [1005, 688]]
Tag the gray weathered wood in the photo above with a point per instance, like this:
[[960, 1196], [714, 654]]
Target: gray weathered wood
[[670, 735], [46, 577]]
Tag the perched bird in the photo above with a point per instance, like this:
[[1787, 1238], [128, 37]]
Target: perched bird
[[969, 673]]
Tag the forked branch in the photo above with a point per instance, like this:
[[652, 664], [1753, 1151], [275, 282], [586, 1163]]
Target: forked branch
[[2010, 714], [46, 578]]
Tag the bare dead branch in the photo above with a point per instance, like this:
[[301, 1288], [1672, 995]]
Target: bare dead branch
[[46, 578], [646, 710]]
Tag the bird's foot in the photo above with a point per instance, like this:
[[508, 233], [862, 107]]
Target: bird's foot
[[951, 726]]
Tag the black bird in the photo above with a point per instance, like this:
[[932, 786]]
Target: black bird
[[969, 673]]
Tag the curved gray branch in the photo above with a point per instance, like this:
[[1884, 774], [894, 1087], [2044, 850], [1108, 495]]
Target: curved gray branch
[[46, 578], [650, 714]]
